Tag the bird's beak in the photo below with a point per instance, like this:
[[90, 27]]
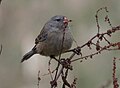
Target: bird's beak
[[66, 20]]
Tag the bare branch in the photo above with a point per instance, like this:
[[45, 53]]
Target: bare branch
[[1, 49], [115, 80], [38, 84]]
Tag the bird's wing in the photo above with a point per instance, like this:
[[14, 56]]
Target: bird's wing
[[42, 36]]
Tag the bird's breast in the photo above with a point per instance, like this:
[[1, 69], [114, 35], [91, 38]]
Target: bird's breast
[[56, 42]]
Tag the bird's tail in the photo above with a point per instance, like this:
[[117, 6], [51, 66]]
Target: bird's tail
[[28, 55]]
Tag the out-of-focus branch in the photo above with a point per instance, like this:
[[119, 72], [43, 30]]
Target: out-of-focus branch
[[0, 49], [0, 1]]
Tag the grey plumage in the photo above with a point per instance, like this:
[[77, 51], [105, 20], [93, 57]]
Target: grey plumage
[[49, 41]]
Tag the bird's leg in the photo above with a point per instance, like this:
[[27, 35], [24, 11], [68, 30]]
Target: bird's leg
[[53, 57]]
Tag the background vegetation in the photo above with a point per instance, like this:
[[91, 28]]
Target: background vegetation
[[22, 20]]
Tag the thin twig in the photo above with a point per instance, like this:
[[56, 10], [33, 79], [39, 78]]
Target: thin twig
[[91, 55], [38, 84], [59, 73], [66, 74], [115, 79], [96, 16], [49, 63]]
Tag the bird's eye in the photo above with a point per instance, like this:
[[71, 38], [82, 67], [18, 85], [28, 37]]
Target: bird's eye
[[58, 19]]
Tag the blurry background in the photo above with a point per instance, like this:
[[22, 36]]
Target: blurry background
[[21, 22]]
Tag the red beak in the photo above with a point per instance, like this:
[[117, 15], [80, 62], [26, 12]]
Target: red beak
[[66, 20]]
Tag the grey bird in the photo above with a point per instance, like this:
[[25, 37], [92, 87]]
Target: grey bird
[[55, 38]]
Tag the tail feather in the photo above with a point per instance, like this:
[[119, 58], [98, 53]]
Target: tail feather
[[28, 55]]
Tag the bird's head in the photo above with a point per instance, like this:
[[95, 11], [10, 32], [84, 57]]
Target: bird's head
[[60, 21]]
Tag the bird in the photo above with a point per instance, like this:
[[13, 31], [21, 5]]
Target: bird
[[54, 39]]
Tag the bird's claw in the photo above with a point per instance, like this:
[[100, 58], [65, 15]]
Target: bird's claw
[[77, 51]]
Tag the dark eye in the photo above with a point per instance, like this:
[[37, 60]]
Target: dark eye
[[58, 19]]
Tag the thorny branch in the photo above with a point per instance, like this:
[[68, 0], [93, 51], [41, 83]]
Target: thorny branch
[[115, 80], [65, 64]]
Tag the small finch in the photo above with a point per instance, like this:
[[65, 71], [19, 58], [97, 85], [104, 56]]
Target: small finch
[[49, 41]]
